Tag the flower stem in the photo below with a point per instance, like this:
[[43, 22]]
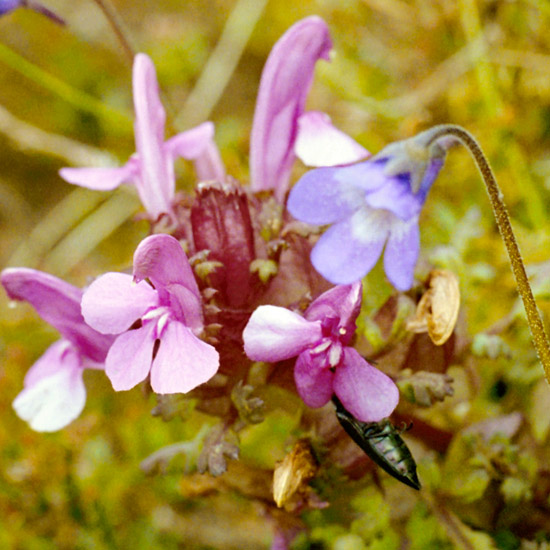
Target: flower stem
[[540, 338], [118, 27]]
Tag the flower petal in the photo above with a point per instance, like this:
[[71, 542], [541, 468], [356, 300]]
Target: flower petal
[[275, 333], [401, 253], [285, 82], [320, 198], [58, 303], [52, 360], [129, 359], [198, 145], [52, 402], [161, 259], [365, 392], [342, 302], [101, 179], [319, 143], [114, 302], [350, 249], [186, 306], [183, 362], [156, 183], [314, 384], [396, 196]]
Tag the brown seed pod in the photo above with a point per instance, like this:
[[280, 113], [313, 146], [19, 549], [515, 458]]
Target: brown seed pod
[[293, 473], [437, 311]]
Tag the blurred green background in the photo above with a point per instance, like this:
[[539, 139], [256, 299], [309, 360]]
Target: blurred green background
[[65, 99]]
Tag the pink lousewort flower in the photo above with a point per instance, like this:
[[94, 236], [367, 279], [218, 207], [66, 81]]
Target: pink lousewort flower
[[157, 314], [54, 393], [151, 169], [326, 363]]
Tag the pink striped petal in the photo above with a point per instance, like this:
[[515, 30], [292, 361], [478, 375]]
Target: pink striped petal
[[314, 384], [129, 360], [58, 303], [114, 302], [55, 396], [319, 143], [198, 145], [275, 333], [101, 179], [367, 393], [183, 362]]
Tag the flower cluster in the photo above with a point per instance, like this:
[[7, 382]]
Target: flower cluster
[[177, 322]]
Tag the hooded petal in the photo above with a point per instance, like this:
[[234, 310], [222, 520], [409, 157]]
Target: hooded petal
[[285, 82], [156, 183], [198, 145], [183, 362], [349, 250], [314, 384], [342, 302], [319, 143], [401, 253], [53, 398], [275, 333], [161, 259], [129, 360], [365, 392], [114, 302], [101, 179], [58, 303]]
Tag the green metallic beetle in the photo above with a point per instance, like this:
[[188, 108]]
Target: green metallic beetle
[[382, 443]]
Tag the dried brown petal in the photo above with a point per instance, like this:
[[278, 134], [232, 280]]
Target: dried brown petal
[[291, 476], [424, 388], [438, 308]]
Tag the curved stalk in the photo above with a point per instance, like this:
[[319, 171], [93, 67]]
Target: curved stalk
[[118, 27], [540, 338]]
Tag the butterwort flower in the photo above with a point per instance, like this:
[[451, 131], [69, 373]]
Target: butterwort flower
[[369, 205], [326, 363], [151, 169], [9, 5], [54, 393], [281, 129], [157, 315]]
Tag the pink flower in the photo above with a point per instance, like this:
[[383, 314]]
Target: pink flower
[[54, 393], [281, 130], [157, 315], [151, 169], [326, 363]]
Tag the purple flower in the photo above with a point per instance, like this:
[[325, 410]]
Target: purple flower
[[326, 363], [370, 204], [279, 118], [151, 169], [9, 5], [54, 393], [157, 315]]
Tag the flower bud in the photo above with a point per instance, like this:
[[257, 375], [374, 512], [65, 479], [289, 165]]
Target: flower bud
[[437, 310], [291, 476]]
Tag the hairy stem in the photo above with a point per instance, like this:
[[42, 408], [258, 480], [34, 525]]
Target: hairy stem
[[540, 337]]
